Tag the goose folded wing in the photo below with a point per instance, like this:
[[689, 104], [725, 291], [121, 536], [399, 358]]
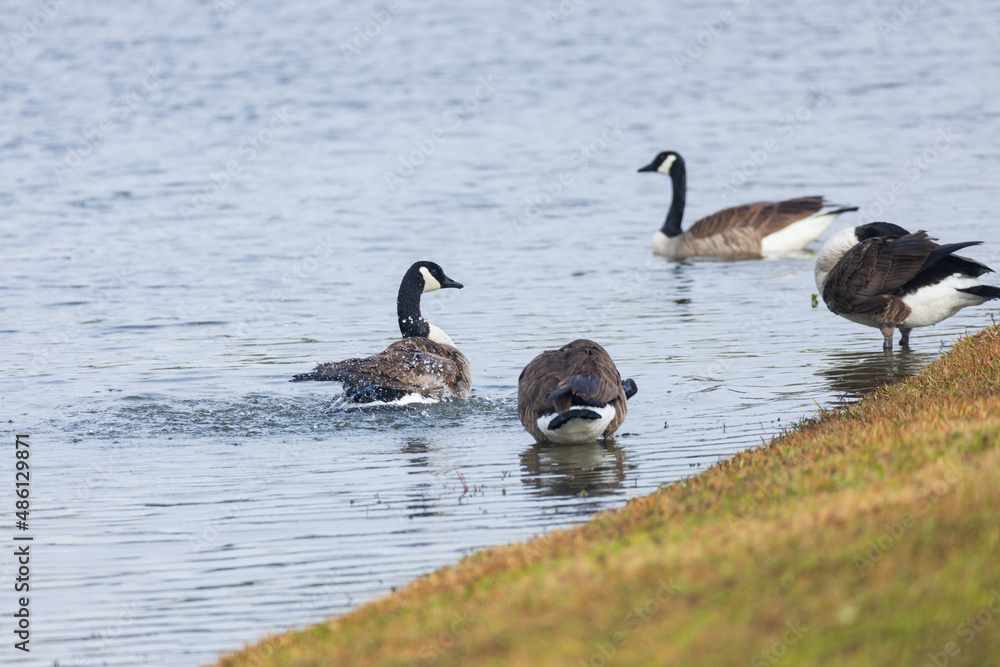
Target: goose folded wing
[[872, 270], [582, 370], [767, 217], [409, 364], [538, 379]]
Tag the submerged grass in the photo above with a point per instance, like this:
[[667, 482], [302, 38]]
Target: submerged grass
[[866, 536]]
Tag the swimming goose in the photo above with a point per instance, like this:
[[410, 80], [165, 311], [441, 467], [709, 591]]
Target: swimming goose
[[425, 362], [572, 395], [882, 276], [747, 230]]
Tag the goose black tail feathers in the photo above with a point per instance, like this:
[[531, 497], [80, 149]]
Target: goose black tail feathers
[[572, 414], [630, 387], [318, 376], [983, 291], [571, 391], [948, 249]]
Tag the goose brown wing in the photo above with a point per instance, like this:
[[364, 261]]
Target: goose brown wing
[[865, 277], [412, 364], [591, 375], [538, 379], [766, 217]]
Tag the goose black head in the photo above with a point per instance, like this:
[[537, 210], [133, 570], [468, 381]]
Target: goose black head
[[431, 276], [873, 229], [419, 278], [665, 163]]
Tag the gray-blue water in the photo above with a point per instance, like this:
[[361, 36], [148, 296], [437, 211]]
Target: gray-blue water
[[198, 200]]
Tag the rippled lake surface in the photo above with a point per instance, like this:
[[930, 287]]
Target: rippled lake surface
[[198, 200]]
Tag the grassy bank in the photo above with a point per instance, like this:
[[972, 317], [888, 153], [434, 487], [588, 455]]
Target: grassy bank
[[868, 536]]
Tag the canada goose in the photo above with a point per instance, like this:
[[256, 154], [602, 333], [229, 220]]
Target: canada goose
[[882, 276], [572, 395], [425, 362], [747, 230]]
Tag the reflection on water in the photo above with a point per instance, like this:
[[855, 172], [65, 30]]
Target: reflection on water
[[593, 469], [853, 374]]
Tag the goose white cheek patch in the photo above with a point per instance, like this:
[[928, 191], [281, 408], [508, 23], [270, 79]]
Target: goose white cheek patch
[[430, 282], [664, 167]]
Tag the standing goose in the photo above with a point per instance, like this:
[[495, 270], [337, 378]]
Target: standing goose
[[425, 362], [747, 230], [882, 276], [572, 395]]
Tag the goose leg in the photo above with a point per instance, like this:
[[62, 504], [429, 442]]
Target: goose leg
[[905, 338], [887, 333]]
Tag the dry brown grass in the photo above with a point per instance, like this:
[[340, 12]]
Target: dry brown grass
[[866, 536]]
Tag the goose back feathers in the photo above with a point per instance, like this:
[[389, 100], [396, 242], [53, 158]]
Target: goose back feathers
[[413, 365], [745, 230], [882, 276], [573, 394], [425, 362]]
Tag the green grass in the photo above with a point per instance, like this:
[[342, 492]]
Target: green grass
[[866, 536]]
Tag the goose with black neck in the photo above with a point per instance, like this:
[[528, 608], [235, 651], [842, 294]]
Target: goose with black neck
[[424, 363], [748, 230]]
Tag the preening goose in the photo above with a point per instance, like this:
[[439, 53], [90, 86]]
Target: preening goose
[[425, 362], [572, 395], [747, 230], [882, 276]]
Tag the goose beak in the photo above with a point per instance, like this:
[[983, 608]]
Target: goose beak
[[650, 167], [448, 282]]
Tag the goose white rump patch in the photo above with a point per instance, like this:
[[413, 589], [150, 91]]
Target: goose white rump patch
[[798, 235], [578, 430], [934, 303]]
